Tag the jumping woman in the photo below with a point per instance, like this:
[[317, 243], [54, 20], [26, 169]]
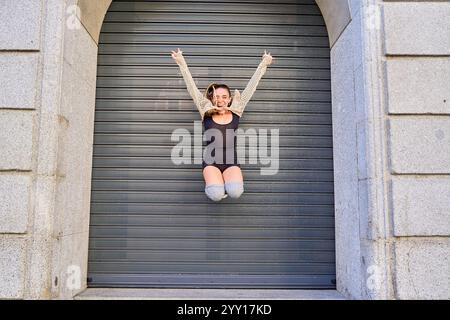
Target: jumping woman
[[220, 111]]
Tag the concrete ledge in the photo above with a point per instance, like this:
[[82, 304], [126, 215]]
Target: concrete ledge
[[206, 294]]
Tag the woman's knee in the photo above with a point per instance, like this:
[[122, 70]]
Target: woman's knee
[[215, 191], [234, 189], [212, 175]]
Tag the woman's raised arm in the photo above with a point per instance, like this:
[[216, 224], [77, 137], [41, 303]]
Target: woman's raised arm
[[241, 100], [202, 103]]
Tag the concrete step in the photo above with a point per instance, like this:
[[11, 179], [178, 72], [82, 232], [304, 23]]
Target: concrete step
[[206, 294]]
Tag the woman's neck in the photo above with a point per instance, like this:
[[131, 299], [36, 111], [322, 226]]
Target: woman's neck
[[223, 113]]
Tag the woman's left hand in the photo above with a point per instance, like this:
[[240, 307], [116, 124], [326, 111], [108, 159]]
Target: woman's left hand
[[267, 57]]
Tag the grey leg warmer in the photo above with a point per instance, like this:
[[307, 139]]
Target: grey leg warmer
[[215, 191], [234, 189]]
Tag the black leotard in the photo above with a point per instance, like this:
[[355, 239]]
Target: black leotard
[[228, 146]]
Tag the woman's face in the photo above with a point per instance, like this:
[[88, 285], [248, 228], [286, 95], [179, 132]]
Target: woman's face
[[221, 97]]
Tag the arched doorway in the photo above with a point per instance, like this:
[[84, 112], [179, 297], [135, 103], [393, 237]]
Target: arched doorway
[[359, 208]]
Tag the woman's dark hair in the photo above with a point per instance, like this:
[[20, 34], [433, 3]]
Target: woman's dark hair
[[209, 93]]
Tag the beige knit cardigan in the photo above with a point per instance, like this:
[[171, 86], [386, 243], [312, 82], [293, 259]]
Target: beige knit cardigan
[[239, 100]]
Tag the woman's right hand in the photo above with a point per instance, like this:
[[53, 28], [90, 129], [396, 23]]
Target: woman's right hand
[[178, 56]]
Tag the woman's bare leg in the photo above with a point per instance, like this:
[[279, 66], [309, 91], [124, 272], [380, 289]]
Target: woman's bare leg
[[214, 184]]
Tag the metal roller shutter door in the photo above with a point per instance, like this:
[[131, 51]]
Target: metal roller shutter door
[[151, 224]]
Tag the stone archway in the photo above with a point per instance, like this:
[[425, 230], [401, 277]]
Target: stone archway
[[80, 51]]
